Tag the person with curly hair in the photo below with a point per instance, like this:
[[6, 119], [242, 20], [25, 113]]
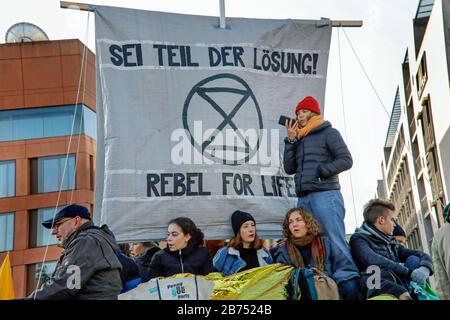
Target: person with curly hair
[[184, 252], [304, 246]]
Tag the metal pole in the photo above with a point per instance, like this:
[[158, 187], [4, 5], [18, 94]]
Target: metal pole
[[223, 24], [334, 23], [347, 23], [75, 6]]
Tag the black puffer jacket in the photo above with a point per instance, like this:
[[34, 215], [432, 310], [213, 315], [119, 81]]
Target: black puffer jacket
[[143, 262], [317, 159], [195, 260]]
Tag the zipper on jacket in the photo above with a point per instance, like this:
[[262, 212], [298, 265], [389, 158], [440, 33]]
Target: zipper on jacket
[[181, 261]]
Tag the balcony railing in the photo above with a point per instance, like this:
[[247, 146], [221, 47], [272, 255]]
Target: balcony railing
[[408, 90], [412, 128], [424, 205], [417, 165], [429, 137], [436, 184], [421, 85]]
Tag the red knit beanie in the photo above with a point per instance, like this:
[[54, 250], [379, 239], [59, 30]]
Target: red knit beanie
[[309, 103]]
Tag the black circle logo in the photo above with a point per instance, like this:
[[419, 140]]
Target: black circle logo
[[220, 103]]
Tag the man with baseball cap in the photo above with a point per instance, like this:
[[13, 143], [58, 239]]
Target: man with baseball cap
[[440, 250], [316, 153], [88, 267]]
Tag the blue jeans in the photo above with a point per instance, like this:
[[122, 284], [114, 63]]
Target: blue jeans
[[394, 285], [328, 208], [412, 263], [350, 290]]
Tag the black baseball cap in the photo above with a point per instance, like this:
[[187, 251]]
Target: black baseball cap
[[70, 211]]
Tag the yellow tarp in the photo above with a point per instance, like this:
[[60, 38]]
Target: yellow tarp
[[263, 283]]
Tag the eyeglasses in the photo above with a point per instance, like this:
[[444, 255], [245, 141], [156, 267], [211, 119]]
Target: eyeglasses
[[59, 223]]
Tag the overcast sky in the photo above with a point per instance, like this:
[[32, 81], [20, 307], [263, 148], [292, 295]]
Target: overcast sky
[[380, 44]]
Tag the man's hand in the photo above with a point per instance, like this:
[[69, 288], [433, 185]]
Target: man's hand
[[420, 275]]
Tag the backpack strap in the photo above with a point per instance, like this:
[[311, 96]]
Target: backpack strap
[[309, 275], [294, 281]]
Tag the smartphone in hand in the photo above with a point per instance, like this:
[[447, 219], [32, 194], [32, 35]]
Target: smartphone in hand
[[282, 120]]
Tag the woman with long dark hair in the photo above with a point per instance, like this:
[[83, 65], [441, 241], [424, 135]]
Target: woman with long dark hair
[[305, 247], [245, 250], [184, 252]]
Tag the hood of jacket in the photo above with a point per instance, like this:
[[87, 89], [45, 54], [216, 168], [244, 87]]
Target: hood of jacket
[[89, 227]]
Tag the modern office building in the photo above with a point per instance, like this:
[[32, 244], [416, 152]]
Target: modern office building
[[416, 164], [43, 101]]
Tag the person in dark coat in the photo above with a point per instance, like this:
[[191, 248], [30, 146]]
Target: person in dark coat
[[305, 247], [125, 248], [399, 234], [89, 252], [129, 275], [183, 253], [373, 245], [143, 253], [316, 153]]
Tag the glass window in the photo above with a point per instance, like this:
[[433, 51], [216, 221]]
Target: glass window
[[38, 232], [51, 172], [5, 127], [58, 123], [7, 179], [90, 122], [27, 125], [34, 271], [6, 231], [47, 122]]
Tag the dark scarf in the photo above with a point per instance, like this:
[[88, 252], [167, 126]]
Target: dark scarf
[[317, 250], [389, 240]]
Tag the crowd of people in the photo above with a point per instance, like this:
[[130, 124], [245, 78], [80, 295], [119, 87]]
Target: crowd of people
[[313, 236]]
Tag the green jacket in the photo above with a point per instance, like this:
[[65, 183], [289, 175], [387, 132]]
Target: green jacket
[[88, 268], [441, 261]]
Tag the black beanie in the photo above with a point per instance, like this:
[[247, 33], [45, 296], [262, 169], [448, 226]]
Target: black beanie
[[398, 230], [238, 218]]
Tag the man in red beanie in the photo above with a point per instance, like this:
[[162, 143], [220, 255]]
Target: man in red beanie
[[316, 153]]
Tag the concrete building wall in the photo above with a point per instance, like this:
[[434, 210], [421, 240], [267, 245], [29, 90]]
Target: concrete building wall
[[426, 149], [436, 91], [45, 74]]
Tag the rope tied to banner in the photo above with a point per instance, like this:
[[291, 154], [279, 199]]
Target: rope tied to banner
[[83, 71]]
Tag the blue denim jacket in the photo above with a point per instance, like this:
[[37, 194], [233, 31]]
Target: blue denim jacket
[[228, 261], [336, 265]]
